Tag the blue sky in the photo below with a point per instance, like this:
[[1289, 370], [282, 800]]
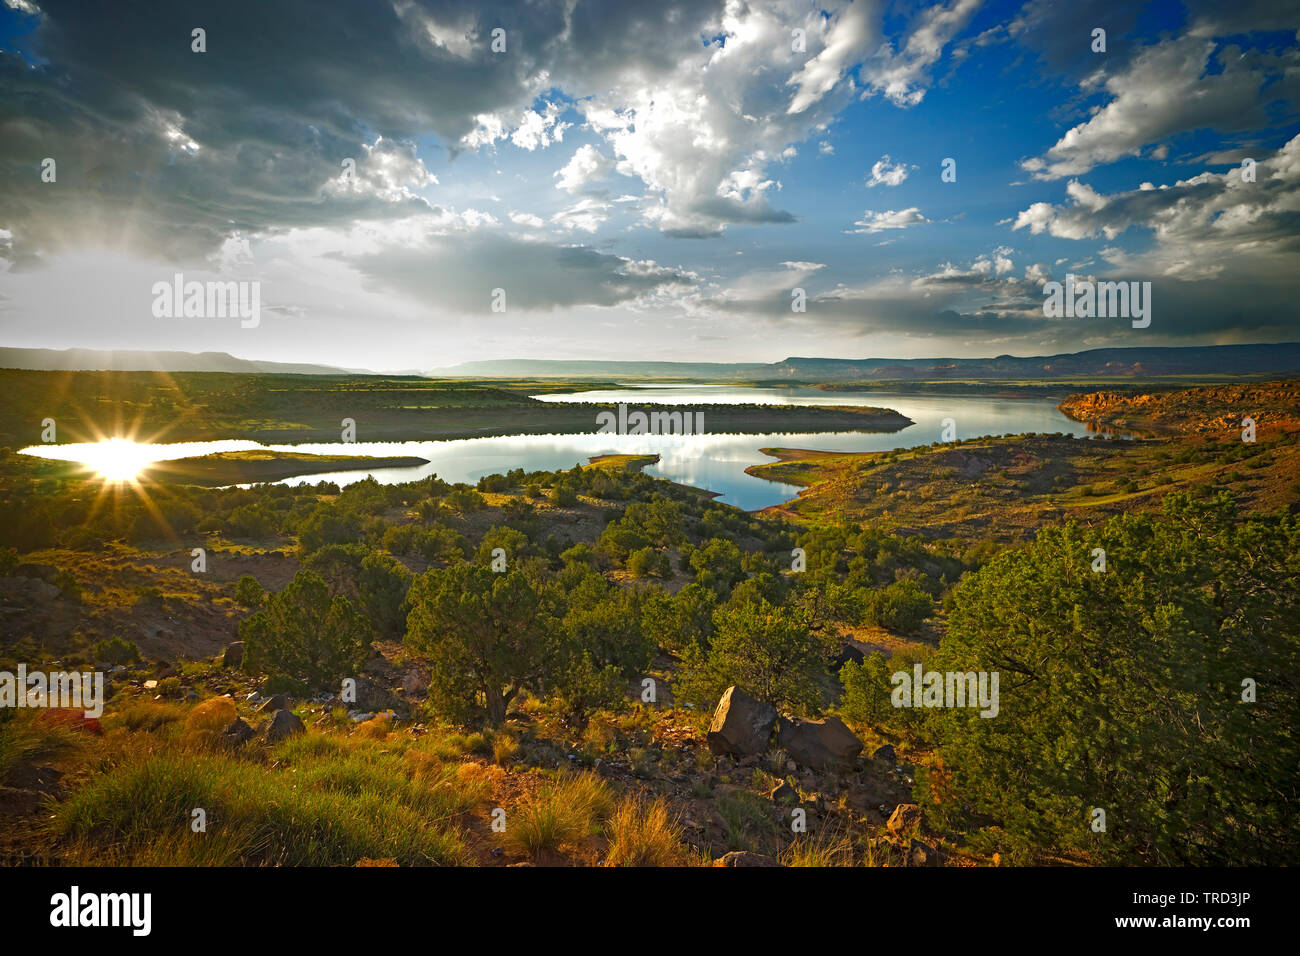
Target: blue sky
[[648, 181]]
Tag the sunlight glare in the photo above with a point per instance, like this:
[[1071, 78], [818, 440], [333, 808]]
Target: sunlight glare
[[118, 459]]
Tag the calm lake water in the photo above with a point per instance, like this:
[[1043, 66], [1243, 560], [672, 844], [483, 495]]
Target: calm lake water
[[714, 462]]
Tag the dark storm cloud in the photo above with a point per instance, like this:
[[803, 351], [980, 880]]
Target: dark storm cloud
[[459, 272], [283, 94]]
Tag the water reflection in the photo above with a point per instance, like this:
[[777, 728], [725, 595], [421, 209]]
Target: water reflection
[[713, 462]]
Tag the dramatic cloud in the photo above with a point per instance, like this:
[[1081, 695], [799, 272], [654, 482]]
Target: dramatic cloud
[[381, 167], [1177, 86]]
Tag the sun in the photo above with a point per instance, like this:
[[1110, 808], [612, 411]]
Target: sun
[[118, 459]]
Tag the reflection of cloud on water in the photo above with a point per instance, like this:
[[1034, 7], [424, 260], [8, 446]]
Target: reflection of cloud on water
[[716, 462]]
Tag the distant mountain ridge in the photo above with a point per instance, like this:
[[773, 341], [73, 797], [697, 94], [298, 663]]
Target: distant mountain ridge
[[1119, 363], [132, 360], [1281, 359]]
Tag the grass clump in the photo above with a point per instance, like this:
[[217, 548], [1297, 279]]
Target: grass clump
[[322, 802], [565, 811], [643, 833]]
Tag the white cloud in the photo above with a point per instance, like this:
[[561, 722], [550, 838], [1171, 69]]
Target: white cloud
[[890, 219], [847, 40], [903, 77], [587, 165], [1209, 224], [1169, 88], [883, 172], [585, 215]]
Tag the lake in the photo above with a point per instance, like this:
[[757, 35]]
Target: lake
[[713, 462]]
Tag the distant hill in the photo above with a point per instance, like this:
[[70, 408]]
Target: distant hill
[[70, 360], [1117, 363], [562, 368]]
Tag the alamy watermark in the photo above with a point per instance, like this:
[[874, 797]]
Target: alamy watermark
[[652, 423], [75, 691], [1102, 300], [208, 300], [923, 688]]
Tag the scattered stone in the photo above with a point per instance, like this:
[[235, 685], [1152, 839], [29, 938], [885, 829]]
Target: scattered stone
[[922, 854], [741, 725], [360, 717], [785, 795], [278, 702], [823, 745], [191, 697], [284, 724], [151, 685], [239, 732], [744, 858], [885, 753], [413, 684], [905, 819]]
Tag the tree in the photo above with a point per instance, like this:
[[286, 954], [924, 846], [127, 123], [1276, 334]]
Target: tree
[[1123, 690], [248, 591], [306, 634], [678, 621], [867, 690], [767, 650], [717, 564], [486, 632], [902, 606], [647, 562], [375, 583], [604, 620]]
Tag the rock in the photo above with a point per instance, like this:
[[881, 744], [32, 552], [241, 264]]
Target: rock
[[847, 652], [373, 696], [785, 795], [744, 858], [741, 725], [413, 684], [278, 702], [42, 572], [922, 854], [234, 655], [24, 590], [885, 753], [151, 685], [825, 744], [284, 724], [191, 697], [905, 819], [239, 732]]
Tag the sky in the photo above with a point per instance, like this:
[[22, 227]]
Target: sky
[[415, 183]]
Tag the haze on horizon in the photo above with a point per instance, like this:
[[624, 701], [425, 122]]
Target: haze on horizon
[[647, 182]]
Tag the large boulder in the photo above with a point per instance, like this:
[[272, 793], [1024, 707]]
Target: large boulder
[[741, 724], [278, 702], [284, 724], [823, 745], [239, 732], [373, 696], [233, 655]]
